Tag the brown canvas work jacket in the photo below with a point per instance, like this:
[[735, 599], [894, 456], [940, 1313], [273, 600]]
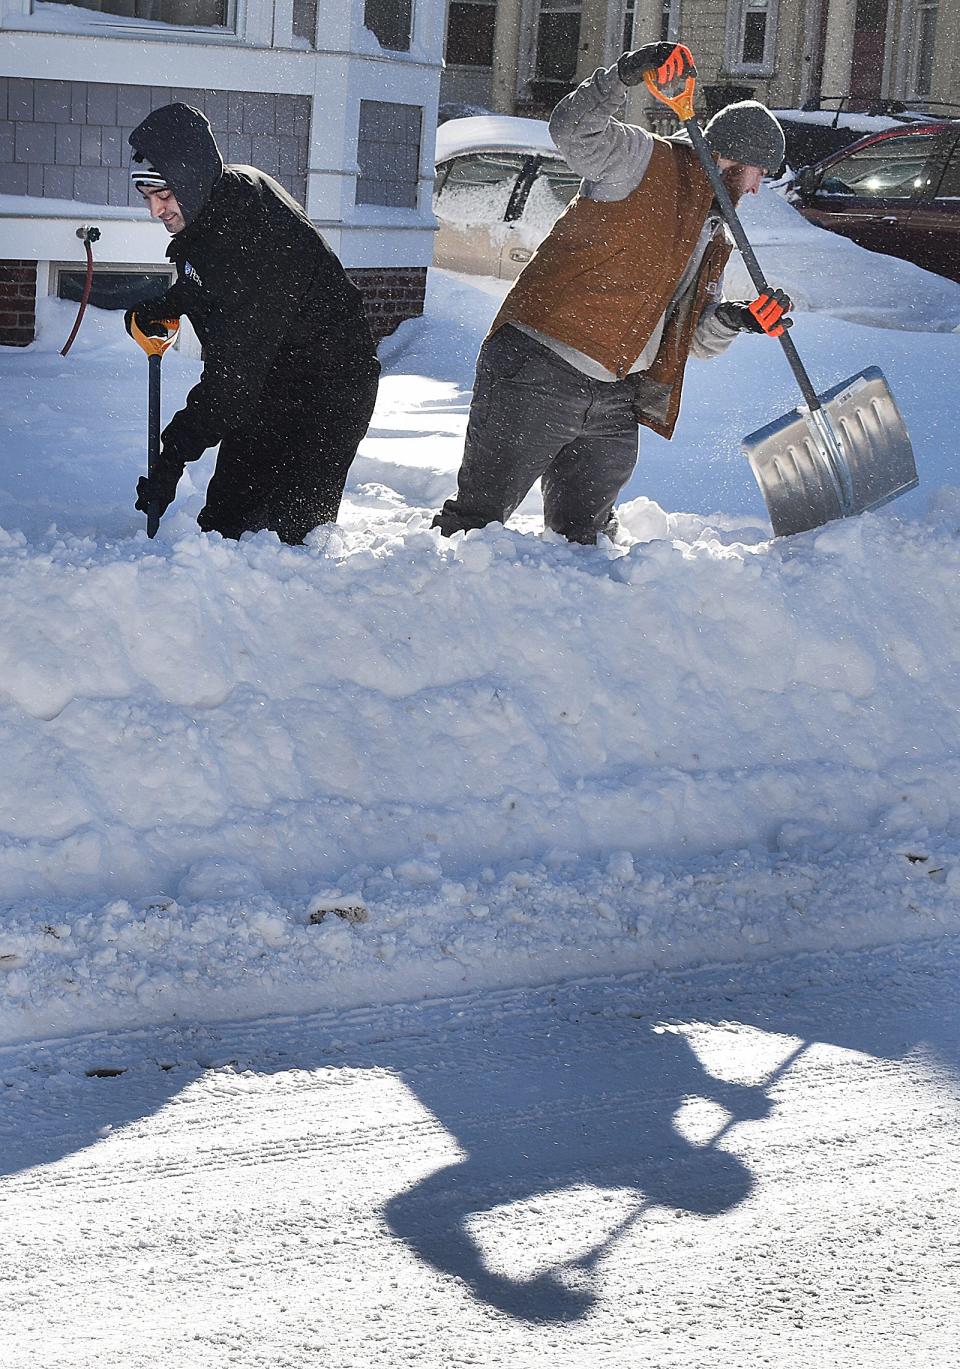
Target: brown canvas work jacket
[[605, 274]]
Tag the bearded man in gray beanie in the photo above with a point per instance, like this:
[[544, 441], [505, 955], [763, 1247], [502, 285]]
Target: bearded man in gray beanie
[[594, 335]]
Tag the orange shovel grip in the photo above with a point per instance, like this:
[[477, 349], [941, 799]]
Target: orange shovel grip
[[155, 346], [679, 63]]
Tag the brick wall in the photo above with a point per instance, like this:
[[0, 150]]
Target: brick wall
[[67, 140], [391, 295], [18, 302]]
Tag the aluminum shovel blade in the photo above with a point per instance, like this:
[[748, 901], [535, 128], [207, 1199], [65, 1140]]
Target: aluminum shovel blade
[[796, 474]]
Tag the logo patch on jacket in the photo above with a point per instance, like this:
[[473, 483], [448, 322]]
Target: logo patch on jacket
[[191, 273]]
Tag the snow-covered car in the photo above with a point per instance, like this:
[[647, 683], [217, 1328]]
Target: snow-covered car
[[500, 186], [895, 192]]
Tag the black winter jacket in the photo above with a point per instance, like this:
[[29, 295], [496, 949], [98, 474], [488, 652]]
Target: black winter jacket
[[269, 300]]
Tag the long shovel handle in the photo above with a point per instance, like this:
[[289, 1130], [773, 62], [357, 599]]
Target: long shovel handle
[[681, 66], [729, 212], [153, 437], [154, 345]]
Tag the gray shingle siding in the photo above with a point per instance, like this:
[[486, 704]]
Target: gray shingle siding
[[388, 152], [68, 139]]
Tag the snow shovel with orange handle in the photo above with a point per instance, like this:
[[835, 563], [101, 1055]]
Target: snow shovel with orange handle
[[154, 344], [840, 453]]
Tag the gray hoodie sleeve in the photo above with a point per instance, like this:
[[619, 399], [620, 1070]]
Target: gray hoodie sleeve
[[611, 156], [711, 337]]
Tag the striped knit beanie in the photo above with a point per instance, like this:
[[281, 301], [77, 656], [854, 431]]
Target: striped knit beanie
[[145, 175]]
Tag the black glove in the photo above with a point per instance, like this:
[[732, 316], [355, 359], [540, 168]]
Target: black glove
[[632, 65], [765, 314], [152, 329], [161, 491]]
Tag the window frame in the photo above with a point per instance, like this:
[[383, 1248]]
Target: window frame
[[540, 8], [737, 12]]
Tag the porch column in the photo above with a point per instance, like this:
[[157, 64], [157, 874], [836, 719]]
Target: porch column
[[945, 84], [506, 55], [838, 54], [595, 36]]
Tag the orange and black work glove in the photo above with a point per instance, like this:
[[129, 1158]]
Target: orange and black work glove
[[766, 314], [651, 57]]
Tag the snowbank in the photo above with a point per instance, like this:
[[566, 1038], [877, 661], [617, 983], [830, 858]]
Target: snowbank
[[396, 723], [506, 759]]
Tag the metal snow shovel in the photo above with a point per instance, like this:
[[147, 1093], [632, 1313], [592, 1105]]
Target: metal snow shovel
[[840, 453], [154, 345]]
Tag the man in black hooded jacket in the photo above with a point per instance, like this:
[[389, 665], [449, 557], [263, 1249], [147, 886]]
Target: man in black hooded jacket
[[290, 369]]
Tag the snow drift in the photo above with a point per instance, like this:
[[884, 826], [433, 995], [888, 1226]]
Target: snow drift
[[250, 778]]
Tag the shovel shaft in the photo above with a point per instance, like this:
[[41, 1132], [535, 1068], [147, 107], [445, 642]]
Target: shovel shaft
[[729, 212], [824, 433], [153, 439]]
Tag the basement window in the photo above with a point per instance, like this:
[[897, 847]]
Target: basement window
[[113, 289]]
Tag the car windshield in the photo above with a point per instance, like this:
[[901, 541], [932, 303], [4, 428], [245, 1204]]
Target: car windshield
[[476, 188], [552, 190], [892, 169]]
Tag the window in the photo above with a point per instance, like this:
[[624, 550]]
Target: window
[[113, 289], [390, 22], [388, 151], [894, 169], [925, 32], [305, 20], [192, 13], [470, 33], [752, 35], [552, 190], [949, 188], [478, 188], [670, 21], [558, 40], [629, 14]]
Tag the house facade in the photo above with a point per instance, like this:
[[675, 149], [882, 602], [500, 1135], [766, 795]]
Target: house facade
[[337, 100], [521, 56]]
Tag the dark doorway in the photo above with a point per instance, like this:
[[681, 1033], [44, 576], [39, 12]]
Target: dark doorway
[[866, 72]]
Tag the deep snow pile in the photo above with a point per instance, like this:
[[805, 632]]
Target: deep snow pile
[[501, 758]]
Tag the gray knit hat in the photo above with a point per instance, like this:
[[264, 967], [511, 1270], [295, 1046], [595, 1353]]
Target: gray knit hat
[[747, 132]]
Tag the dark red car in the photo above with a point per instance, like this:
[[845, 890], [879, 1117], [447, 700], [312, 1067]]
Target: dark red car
[[896, 192]]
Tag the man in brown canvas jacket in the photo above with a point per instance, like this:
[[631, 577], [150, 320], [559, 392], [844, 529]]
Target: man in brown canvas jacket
[[594, 335]]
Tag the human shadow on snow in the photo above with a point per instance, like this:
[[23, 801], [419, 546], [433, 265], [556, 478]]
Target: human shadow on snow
[[580, 1091]]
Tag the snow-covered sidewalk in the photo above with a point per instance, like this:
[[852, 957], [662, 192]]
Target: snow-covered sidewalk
[[738, 1167]]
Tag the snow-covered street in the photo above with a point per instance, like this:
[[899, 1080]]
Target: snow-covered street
[[733, 1166], [488, 951]]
